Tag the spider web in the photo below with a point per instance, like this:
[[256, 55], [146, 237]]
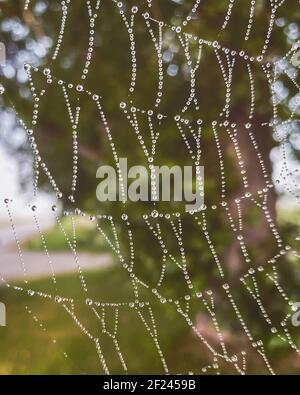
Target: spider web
[[163, 226]]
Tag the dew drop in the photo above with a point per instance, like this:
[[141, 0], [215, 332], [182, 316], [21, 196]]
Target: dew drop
[[154, 214]]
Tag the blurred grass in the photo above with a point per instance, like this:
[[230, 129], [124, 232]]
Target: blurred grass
[[27, 348], [87, 238]]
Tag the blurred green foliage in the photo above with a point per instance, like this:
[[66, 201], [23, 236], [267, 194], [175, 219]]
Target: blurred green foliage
[[109, 77], [86, 239]]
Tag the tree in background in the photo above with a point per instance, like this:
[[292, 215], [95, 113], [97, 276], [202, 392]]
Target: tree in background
[[233, 91]]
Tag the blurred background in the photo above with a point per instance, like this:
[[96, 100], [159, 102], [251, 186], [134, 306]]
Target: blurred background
[[42, 333]]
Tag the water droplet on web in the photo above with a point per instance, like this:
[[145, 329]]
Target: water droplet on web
[[89, 302], [46, 71], [154, 214]]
